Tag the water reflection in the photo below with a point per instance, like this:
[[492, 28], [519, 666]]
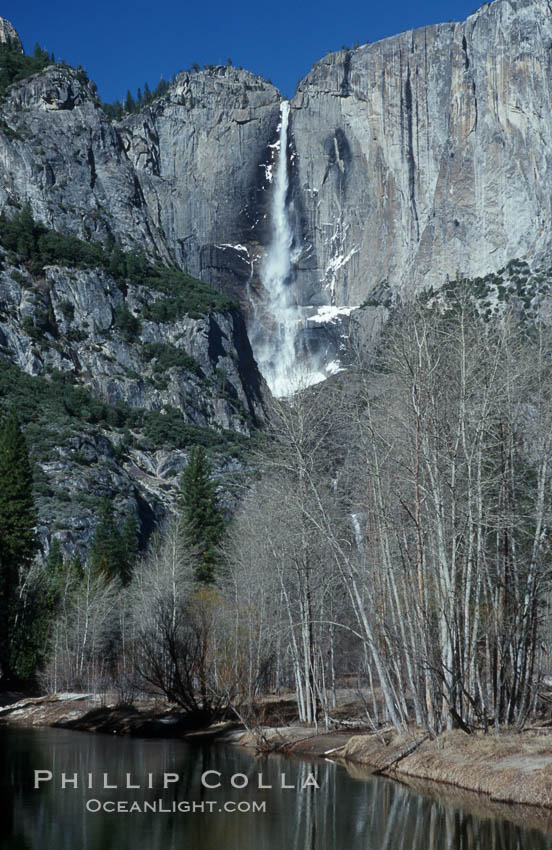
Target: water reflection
[[348, 811]]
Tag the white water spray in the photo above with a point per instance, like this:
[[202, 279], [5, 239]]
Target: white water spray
[[274, 336]]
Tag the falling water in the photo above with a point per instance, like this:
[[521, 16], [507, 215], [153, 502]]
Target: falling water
[[274, 335]]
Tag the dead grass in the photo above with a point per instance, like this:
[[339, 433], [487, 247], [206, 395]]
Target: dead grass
[[509, 768]]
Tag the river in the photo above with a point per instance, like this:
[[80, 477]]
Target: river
[[348, 811]]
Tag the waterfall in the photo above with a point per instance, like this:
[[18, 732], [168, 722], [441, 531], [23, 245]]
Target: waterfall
[[275, 328]]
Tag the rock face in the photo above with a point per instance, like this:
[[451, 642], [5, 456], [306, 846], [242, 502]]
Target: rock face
[[144, 384], [68, 322], [198, 154], [419, 157], [59, 152], [181, 179], [427, 154], [8, 34]]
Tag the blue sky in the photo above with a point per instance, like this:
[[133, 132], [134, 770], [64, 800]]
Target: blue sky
[[122, 44]]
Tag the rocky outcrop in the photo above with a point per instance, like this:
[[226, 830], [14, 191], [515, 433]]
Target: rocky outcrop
[[181, 179], [198, 153], [60, 153], [70, 321], [8, 35], [414, 160], [421, 156], [117, 391], [426, 155]]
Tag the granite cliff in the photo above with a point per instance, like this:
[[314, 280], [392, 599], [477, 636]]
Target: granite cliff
[[410, 162], [420, 156], [427, 155]]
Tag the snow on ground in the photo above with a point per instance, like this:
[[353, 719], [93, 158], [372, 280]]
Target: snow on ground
[[327, 313], [333, 367], [268, 171], [240, 248]]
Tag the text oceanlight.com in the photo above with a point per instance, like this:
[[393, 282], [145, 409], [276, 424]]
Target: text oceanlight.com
[[174, 806]]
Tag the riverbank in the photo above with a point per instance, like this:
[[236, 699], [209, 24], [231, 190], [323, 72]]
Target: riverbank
[[508, 768], [511, 768]]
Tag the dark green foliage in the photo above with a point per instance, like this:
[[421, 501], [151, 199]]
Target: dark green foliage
[[167, 356], [53, 403], [30, 328], [108, 555], [19, 278], [514, 285], [68, 310], [129, 538], [381, 296], [76, 335], [127, 323], [114, 111], [77, 569], [201, 517], [15, 66], [62, 248], [54, 561], [52, 408], [43, 601], [34, 622], [43, 323], [17, 518], [187, 296], [41, 247], [169, 429], [18, 542], [82, 75], [130, 103], [42, 607], [117, 110]]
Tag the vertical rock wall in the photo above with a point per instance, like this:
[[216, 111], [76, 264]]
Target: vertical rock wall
[[427, 155]]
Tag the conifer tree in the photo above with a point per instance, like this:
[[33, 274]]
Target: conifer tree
[[106, 551], [18, 541], [40, 606], [129, 540], [77, 569], [113, 552], [201, 516], [130, 104], [54, 561]]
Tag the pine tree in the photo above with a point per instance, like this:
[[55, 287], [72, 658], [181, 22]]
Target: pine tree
[[18, 541], [54, 561], [130, 105], [129, 540], [106, 551], [117, 264], [27, 232], [201, 516], [41, 601], [77, 569]]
